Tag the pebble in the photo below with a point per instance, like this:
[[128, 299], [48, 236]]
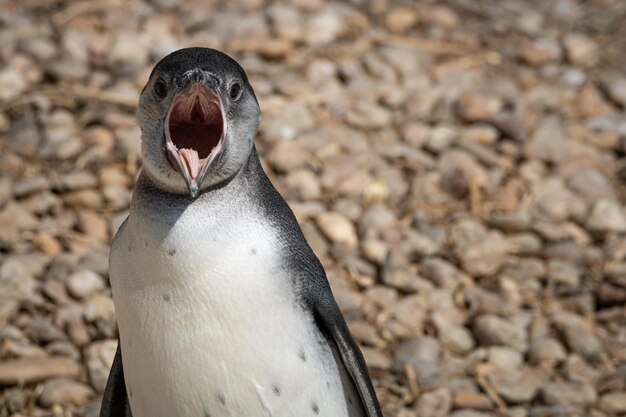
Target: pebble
[[16, 371], [128, 53], [480, 251], [581, 50], [82, 284], [493, 330], [606, 216], [12, 84], [615, 87], [472, 400], [99, 360], [515, 386], [62, 391], [324, 27], [613, 402], [581, 339], [434, 403], [546, 349], [568, 393], [540, 51], [338, 229]]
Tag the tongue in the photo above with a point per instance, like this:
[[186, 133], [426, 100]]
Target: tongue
[[190, 156]]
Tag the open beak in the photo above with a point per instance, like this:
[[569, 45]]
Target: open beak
[[195, 127]]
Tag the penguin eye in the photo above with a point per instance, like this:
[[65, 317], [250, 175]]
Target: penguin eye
[[160, 88], [234, 91]]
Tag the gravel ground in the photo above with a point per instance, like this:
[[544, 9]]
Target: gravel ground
[[459, 167]]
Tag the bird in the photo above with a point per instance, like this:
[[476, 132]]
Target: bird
[[222, 307]]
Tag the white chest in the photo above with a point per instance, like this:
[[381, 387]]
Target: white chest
[[210, 327]]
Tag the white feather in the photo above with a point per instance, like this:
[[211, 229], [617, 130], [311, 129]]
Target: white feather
[[209, 325]]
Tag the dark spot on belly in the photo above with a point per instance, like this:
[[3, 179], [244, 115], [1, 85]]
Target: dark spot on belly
[[167, 297], [130, 392], [276, 390], [350, 400], [253, 251], [146, 243], [315, 408], [206, 413], [171, 251], [302, 355], [221, 398]]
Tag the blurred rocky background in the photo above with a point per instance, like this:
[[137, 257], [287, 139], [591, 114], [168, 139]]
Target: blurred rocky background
[[458, 165]]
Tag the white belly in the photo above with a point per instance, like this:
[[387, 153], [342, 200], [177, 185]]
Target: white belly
[[212, 329]]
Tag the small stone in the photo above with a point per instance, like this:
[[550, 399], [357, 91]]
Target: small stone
[[472, 400], [539, 51], [288, 125], [579, 336], [564, 274], [591, 185], [48, 244], [546, 349], [477, 107], [128, 53], [77, 180], [16, 371], [12, 83], [398, 273], [400, 20], [462, 174], [455, 337], [615, 87], [288, 156], [576, 369], [422, 348], [99, 307], [63, 391], [87, 198], [443, 16], [505, 357], [84, 283], [287, 21], [483, 134], [15, 399], [515, 386], [581, 50], [338, 229], [590, 103], [493, 330], [304, 184], [376, 359], [324, 27], [42, 331], [375, 250], [607, 216], [568, 393], [55, 291], [368, 116], [99, 360], [613, 402], [435, 403], [93, 225], [480, 251]]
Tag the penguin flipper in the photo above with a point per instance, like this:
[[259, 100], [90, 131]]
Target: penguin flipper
[[115, 400], [330, 320]]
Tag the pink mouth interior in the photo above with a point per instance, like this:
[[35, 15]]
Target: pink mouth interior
[[195, 127]]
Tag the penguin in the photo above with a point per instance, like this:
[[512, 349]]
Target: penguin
[[222, 307]]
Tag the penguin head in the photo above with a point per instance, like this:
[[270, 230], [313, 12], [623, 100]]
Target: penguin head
[[198, 116]]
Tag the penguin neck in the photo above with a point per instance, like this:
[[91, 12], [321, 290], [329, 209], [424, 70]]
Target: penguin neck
[[148, 189]]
